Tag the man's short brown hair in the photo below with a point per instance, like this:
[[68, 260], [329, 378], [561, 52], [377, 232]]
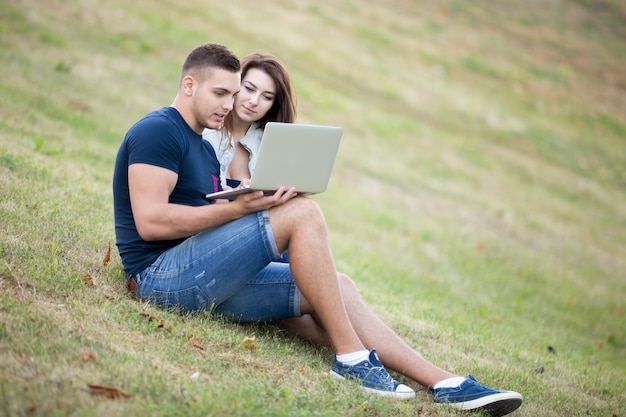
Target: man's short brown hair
[[211, 55]]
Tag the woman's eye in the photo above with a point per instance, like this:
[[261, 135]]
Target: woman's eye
[[250, 89]]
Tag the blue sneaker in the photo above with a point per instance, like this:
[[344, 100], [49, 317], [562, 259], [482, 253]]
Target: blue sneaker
[[372, 377], [471, 395]]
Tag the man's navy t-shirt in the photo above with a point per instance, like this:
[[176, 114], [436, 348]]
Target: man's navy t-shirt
[[162, 138]]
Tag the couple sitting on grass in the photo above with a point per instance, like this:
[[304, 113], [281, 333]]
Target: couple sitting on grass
[[183, 252]]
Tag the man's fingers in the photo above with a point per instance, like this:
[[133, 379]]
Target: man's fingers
[[257, 200]]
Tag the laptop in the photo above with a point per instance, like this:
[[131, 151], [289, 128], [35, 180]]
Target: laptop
[[292, 155]]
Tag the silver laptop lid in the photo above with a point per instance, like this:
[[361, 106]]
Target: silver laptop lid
[[296, 155], [293, 155]]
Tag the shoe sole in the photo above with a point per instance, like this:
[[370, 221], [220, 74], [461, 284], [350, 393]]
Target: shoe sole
[[502, 408], [386, 394], [496, 405]]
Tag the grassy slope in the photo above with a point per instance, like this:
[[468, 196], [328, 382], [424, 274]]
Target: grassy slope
[[478, 201]]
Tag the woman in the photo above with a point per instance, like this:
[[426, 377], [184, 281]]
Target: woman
[[266, 95]]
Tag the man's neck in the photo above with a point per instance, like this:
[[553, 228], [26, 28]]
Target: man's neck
[[187, 115]]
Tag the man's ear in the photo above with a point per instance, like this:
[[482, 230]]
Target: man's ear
[[188, 84]]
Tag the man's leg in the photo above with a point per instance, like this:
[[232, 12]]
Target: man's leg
[[299, 226]]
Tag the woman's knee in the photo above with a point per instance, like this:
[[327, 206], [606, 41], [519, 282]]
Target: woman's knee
[[346, 284]]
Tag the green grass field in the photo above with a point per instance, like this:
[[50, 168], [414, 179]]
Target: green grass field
[[478, 201]]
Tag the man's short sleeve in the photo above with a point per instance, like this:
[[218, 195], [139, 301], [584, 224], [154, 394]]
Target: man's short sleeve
[[155, 141]]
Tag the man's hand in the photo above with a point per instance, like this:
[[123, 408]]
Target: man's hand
[[257, 200]]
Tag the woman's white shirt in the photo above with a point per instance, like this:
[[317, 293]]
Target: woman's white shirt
[[225, 150]]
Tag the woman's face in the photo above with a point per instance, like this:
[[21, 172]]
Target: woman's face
[[256, 96]]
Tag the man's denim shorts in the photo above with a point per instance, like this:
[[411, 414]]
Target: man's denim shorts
[[230, 270]]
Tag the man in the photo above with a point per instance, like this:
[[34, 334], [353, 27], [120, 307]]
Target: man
[[183, 252]]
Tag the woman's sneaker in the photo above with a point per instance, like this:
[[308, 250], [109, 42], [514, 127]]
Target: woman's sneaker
[[372, 377], [471, 395]]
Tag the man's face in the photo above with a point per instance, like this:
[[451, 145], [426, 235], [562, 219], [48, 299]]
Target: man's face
[[213, 98]]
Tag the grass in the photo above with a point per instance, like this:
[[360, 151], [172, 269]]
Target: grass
[[478, 201]]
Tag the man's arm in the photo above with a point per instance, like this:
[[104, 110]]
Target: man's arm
[[157, 219]]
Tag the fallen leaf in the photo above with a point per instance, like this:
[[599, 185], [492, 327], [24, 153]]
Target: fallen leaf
[[249, 342], [89, 281], [31, 408], [109, 392], [107, 257], [152, 317], [87, 356], [301, 369], [195, 343]]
